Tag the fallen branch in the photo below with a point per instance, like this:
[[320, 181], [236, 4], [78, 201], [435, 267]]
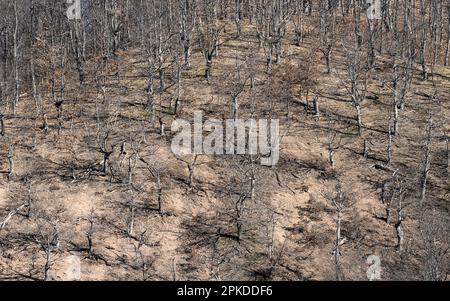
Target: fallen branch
[[10, 215], [281, 184], [385, 168]]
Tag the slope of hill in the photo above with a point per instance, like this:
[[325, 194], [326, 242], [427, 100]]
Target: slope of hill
[[142, 217]]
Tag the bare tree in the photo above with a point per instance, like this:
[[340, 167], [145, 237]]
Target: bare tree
[[435, 243], [191, 164], [143, 262], [298, 20], [47, 237], [96, 83], [357, 70], [327, 31], [156, 172], [341, 204], [188, 22], [209, 31], [271, 22]]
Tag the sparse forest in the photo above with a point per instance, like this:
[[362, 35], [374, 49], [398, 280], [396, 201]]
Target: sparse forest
[[87, 102]]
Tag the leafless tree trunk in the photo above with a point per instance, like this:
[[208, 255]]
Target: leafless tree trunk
[[2, 124], [426, 162], [327, 31], [162, 131], [298, 21], [191, 164], [150, 106], [447, 51], [188, 21], [159, 189], [316, 106], [332, 144], [386, 196], [48, 240], [11, 170], [423, 39], [144, 263], [447, 138], [208, 32], [132, 159], [366, 149], [238, 17], [16, 58], [132, 211], [29, 199], [90, 233], [77, 47], [390, 141], [45, 126], [341, 204], [371, 38], [357, 71], [48, 264], [398, 224]]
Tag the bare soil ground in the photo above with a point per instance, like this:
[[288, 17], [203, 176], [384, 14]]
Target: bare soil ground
[[303, 223]]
